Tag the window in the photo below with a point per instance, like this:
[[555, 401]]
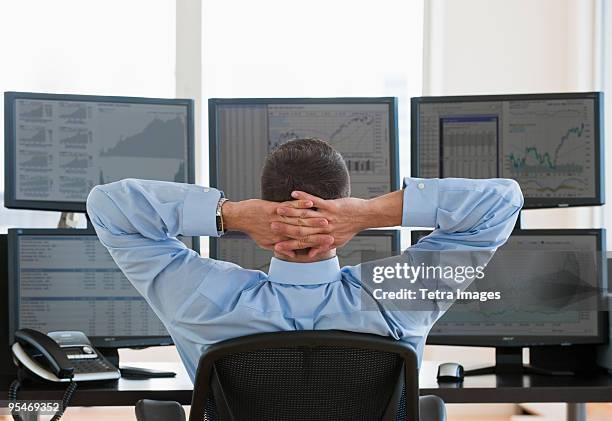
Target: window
[[276, 48], [105, 48]]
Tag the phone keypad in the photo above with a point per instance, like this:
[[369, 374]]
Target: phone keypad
[[92, 366]]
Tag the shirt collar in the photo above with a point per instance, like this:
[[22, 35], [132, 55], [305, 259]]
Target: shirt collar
[[291, 273]]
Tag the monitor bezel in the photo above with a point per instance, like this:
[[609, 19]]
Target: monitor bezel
[[213, 145], [6, 364], [530, 203], [526, 340], [13, 268], [393, 233], [10, 143]]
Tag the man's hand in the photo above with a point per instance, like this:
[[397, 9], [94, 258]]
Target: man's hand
[[254, 217], [345, 217]]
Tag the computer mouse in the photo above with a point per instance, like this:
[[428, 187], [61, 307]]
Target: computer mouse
[[450, 372]]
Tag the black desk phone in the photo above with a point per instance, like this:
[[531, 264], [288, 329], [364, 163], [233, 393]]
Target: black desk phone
[[57, 357], [60, 357]]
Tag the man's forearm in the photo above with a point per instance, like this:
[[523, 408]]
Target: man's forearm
[[383, 211], [231, 216]]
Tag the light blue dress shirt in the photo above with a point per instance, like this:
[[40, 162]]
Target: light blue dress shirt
[[202, 301]]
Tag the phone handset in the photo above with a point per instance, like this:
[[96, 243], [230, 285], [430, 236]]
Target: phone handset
[[29, 342]]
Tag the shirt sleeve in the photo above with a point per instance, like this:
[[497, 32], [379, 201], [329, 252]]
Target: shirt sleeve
[[138, 221], [466, 214], [471, 219]]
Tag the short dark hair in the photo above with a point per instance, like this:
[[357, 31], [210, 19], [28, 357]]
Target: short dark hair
[[310, 165]]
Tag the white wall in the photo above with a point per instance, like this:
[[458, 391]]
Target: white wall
[[484, 46]]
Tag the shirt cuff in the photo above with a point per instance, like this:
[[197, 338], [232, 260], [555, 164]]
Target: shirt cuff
[[420, 202], [199, 212]]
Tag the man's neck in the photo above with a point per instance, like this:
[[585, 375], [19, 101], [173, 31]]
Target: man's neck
[[303, 258]]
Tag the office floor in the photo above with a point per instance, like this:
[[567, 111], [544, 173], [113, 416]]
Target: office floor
[[597, 412]]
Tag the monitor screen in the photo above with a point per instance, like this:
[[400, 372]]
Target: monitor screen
[[58, 147], [551, 144], [60, 280], [368, 245], [551, 283], [363, 130]]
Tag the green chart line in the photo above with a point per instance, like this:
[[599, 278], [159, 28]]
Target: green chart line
[[545, 158]]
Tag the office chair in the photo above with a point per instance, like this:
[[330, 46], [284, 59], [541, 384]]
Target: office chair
[[304, 376]]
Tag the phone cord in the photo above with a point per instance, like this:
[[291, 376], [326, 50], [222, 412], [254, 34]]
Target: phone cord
[[14, 387], [65, 400], [12, 397]]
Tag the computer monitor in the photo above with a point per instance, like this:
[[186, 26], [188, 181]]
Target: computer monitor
[[551, 144], [552, 285], [65, 279], [6, 363], [58, 147], [243, 131], [571, 261], [367, 245]]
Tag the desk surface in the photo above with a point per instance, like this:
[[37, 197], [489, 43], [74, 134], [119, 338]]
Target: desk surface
[[478, 389]]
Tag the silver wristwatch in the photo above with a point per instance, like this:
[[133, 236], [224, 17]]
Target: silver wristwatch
[[219, 217]]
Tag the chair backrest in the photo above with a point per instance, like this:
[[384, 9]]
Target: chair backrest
[[307, 375]]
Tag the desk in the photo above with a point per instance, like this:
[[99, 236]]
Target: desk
[[575, 391], [122, 392], [480, 389]]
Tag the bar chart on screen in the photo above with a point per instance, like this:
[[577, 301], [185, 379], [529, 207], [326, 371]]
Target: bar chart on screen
[[360, 132], [468, 146]]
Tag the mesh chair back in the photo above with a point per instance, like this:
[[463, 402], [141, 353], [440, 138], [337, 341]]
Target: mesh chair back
[[307, 375]]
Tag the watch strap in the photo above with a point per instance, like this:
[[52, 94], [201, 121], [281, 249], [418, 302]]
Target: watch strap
[[219, 217]]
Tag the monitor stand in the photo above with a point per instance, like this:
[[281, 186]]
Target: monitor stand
[[112, 355], [68, 220], [509, 360], [71, 220]]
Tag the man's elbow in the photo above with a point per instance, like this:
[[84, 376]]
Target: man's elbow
[[96, 201], [512, 192], [514, 202]]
